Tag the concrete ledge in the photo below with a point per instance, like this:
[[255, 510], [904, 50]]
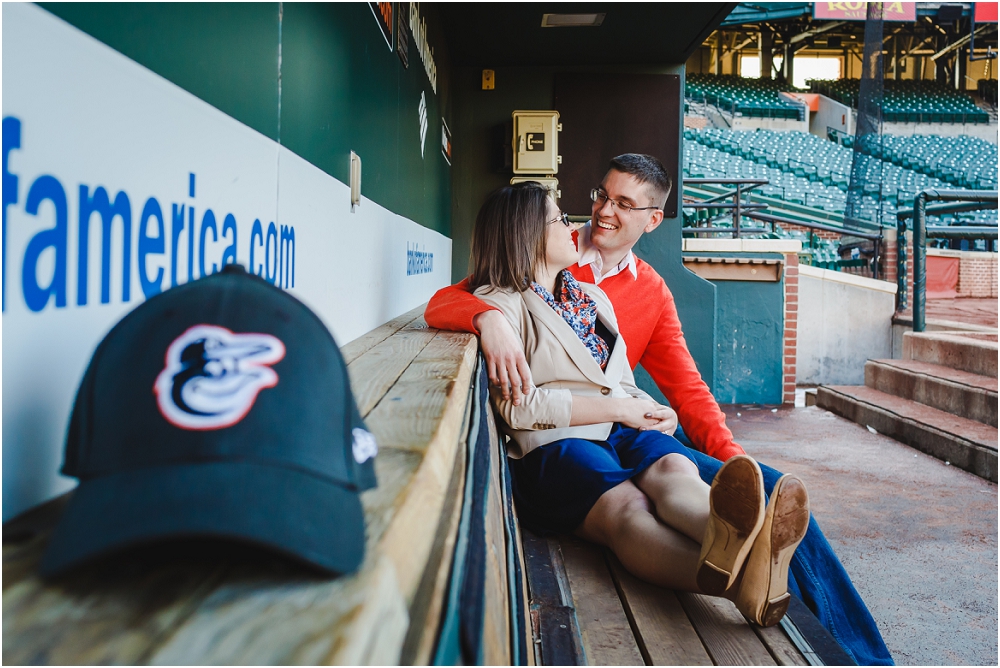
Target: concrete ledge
[[847, 279], [938, 325], [742, 245], [969, 255], [854, 404]]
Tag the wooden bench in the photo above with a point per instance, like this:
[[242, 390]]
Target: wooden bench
[[448, 576]]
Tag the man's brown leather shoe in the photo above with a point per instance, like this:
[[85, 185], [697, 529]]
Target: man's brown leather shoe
[[763, 596]]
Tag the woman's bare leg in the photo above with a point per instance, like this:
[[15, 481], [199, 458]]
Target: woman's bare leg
[[678, 493], [623, 520]]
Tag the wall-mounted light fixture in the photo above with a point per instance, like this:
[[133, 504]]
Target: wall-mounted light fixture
[[355, 180], [572, 20]]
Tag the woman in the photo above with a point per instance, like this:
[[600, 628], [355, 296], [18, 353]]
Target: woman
[[585, 429]]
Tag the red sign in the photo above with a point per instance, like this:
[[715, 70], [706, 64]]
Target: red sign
[[986, 12], [858, 11]]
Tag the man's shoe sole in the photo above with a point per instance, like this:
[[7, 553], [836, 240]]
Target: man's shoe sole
[[785, 524]]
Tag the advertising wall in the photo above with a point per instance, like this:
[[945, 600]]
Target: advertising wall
[[119, 184]]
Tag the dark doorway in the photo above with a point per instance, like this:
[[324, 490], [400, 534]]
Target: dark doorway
[[607, 114]]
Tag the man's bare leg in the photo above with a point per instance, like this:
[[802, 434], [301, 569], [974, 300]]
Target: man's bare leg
[[623, 520]]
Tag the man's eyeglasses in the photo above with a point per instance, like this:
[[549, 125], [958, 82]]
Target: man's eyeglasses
[[562, 218], [600, 197]]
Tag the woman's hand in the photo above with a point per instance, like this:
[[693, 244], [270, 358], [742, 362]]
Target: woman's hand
[[647, 415], [505, 363], [666, 420]]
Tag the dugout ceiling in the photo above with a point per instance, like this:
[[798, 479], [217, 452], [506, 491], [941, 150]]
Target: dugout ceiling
[[511, 34]]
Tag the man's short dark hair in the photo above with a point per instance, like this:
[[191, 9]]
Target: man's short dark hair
[[646, 169]]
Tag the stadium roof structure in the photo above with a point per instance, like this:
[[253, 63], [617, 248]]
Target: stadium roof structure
[[762, 12]]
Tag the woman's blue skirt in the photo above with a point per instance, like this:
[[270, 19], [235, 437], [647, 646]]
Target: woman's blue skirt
[[557, 484]]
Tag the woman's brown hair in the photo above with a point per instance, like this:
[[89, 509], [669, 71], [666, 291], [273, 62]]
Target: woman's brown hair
[[508, 241]]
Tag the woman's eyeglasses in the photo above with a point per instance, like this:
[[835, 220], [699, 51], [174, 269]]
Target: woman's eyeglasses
[[562, 218], [600, 197]]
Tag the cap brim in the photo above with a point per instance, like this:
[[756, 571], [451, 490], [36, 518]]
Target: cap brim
[[308, 517]]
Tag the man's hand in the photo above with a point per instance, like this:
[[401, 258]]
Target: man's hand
[[504, 355]]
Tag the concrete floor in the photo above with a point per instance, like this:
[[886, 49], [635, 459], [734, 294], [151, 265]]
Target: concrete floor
[[918, 537]]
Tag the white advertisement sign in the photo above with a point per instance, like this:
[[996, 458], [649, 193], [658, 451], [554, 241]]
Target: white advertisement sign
[[118, 185]]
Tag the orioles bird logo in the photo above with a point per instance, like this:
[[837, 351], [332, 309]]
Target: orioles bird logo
[[212, 376]]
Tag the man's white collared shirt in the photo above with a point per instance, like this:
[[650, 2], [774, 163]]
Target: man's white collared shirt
[[590, 255]]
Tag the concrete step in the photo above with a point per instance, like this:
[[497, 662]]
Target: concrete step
[[964, 443], [961, 393], [966, 351]]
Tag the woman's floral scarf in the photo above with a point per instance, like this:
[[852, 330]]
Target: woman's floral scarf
[[578, 309]]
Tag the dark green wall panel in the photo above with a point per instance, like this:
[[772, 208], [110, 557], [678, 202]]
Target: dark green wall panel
[[749, 339], [224, 53], [343, 90], [339, 89]]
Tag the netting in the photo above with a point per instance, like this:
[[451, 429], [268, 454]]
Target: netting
[[864, 193]]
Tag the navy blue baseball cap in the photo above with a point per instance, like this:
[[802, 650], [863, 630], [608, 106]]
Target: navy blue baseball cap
[[221, 408]]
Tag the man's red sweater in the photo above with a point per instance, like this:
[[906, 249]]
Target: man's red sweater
[[647, 319]]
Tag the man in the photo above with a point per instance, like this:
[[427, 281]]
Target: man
[[627, 204]]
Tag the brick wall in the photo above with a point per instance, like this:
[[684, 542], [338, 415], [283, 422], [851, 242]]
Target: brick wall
[[791, 327], [819, 233], [977, 274], [889, 256]]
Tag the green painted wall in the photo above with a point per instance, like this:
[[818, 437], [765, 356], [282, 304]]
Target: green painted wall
[[477, 113], [339, 88]]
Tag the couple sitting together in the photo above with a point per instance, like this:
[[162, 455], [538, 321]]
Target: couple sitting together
[[591, 454]]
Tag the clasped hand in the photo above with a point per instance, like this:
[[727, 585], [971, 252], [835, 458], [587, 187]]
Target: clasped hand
[[648, 415]]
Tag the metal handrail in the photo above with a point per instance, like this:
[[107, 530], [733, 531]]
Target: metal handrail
[[737, 206], [988, 199]]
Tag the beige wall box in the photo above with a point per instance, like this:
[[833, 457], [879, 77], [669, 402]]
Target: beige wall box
[[536, 142], [734, 269], [547, 181]]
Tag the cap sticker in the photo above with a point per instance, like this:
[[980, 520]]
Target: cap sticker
[[212, 376], [364, 445]]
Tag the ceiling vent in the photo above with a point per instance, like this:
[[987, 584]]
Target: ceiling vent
[[572, 20]]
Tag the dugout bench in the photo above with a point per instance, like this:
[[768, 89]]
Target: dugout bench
[[448, 577]]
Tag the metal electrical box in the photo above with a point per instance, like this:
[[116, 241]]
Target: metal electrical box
[[536, 142], [550, 183]]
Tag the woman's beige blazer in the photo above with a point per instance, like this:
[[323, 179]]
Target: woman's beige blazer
[[561, 366]]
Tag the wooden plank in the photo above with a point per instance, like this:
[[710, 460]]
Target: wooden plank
[[429, 601], [781, 647], [517, 549], [725, 633], [353, 350], [110, 612], [555, 633], [412, 412], [663, 631], [496, 617], [375, 371], [604, 628]]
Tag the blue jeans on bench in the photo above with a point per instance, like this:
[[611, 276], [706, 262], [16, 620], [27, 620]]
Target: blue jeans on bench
[[818, 578]]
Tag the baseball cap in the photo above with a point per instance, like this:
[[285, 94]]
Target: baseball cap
[[220, 408]]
